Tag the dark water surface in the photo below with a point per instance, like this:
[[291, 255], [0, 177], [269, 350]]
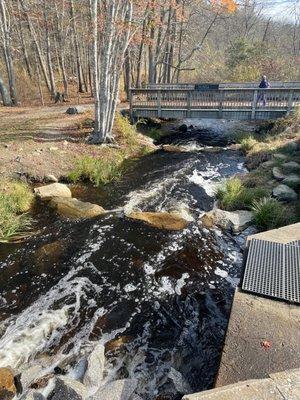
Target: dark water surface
[[166, 295]]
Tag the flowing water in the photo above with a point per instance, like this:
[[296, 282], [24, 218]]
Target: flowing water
[[166, 295]]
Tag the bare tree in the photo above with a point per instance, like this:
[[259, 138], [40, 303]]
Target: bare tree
[[5, 28], [111, 20]]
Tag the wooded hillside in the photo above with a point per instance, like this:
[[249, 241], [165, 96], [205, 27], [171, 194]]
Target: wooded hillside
[[51, 51]]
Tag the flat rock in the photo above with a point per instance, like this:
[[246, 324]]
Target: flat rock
[[292, 180], [267, 164], [280, 157], [7, 384], [236, 221], [68, 389], [116, 390], [291, 165], [116, 344], [173, 149], [50, 178], [73, 208], [95, 367], [278, 174], [54, 190], [215, 149], [161, 220], [284, 193]]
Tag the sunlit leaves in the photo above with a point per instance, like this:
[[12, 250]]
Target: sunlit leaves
[[229, 6]]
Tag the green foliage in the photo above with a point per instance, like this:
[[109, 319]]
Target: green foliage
[[98, 171], [125, 131], [153, 133], [15, 198], [270, 214], [235, 196], [248, 143]]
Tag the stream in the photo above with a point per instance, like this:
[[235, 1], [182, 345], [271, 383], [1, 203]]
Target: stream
[[165, 295]]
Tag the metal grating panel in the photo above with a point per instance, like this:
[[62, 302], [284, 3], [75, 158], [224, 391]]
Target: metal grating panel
[[273, 269]]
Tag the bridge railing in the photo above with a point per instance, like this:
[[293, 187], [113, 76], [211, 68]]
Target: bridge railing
[[225, 85], [236, 103]]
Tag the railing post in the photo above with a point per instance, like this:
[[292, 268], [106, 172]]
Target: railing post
[[222, 96], [254, 104], [159, 104], [131, 104], [189, 95], [290, 101]]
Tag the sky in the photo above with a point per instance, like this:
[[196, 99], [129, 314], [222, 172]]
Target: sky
[[280, 9]]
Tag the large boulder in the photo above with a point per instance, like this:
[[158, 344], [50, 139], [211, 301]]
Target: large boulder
[[161, 220], [284, 193], [76, 209], [7, 384], [236, 221], [54, 190], [278, 174], [95, 367], [292, 180], [116, 390], [68, 389]]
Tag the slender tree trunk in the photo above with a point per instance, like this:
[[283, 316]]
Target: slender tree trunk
[[5, 28], [5, 94], [81, 87], [48, 53]]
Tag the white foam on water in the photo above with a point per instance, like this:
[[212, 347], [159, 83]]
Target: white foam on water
[[130, 288], [206, 180], [181, 283], [29, 335], [220, 272]]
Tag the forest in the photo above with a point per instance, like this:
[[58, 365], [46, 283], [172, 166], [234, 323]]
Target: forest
[[54, 51]]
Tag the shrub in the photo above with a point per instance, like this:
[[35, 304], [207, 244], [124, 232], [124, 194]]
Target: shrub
[[96, 170], [270, 214], [248, 143], [234, 195], [15, 198]]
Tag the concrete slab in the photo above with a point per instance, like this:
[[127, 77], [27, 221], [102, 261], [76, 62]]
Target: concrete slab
[[284, 235], [280, 386], [263, 337], [252, 390]]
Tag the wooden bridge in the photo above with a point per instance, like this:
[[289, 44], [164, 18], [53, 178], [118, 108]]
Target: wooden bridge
[[222, 101]]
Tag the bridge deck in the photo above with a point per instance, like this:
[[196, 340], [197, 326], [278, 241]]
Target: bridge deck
[[226, 103]]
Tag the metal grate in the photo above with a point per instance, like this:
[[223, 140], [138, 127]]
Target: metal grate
[[273, 269]]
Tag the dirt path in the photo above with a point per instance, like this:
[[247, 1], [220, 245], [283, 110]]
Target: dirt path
[[43, 140]]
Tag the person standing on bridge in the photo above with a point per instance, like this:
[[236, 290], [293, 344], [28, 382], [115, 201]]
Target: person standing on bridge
[[264, 84]]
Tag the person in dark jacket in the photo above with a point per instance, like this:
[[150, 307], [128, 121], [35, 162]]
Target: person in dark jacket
[[264, 84]]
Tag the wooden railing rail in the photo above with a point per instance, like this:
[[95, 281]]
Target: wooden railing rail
[[238, 103]]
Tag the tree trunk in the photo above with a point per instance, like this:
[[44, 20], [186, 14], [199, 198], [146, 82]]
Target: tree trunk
[[111, 47], [81, 86], [5, 28], [5, 94]]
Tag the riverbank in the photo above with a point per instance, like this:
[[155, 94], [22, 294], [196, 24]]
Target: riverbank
[[46, 145]]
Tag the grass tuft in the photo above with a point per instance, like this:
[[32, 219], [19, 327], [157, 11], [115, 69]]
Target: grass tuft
[[233, 195], [270, 214], [98, 171], [15, 199]]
